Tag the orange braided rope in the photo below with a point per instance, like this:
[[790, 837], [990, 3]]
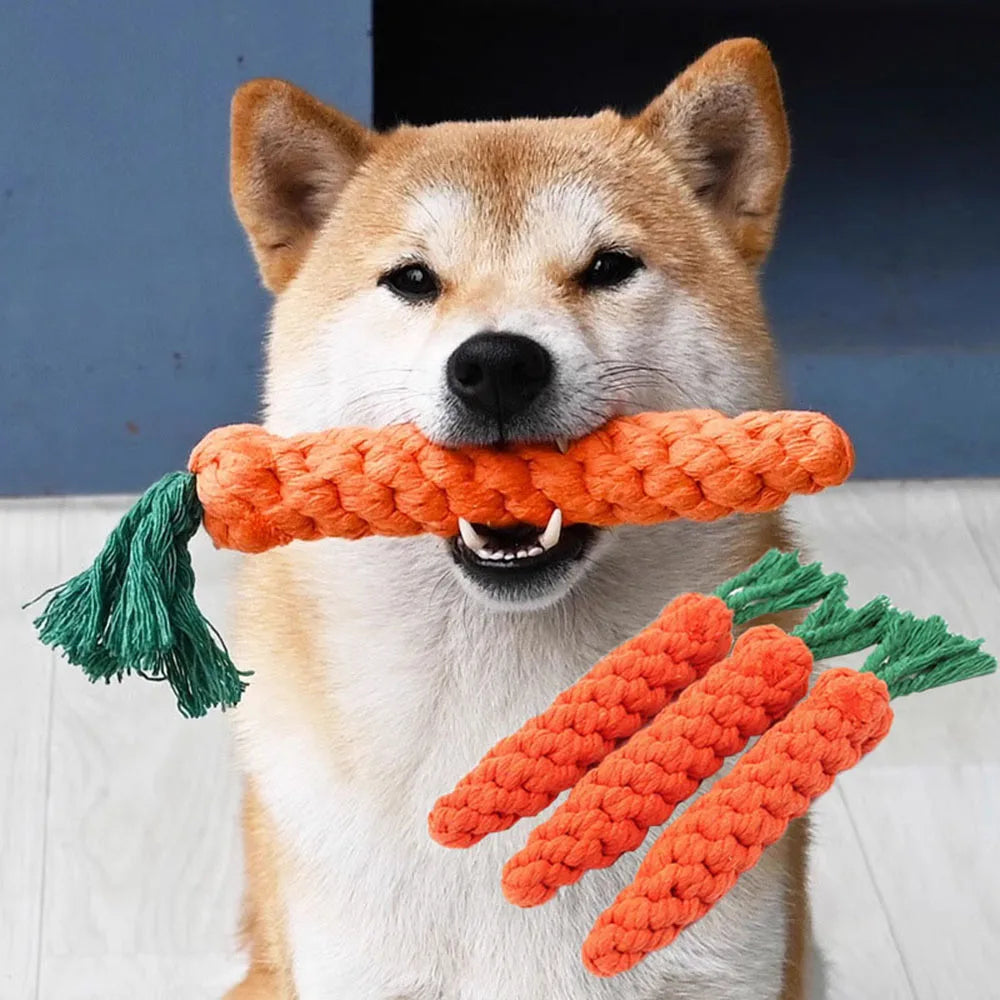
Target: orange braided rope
[[610, 810], [525, 772], [699, 857], [259, 490]]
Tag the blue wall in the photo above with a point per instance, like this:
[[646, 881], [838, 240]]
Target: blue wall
[[130, 315]]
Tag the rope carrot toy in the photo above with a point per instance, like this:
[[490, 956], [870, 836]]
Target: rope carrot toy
[[639, 733], [133, 610]]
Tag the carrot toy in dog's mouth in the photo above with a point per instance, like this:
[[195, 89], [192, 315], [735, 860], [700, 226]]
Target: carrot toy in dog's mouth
[[526, 511]]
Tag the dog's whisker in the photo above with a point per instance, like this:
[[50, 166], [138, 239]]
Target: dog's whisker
[[386, 391]]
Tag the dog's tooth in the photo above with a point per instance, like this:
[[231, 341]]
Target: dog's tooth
[[508, 556], [535, 550], [562, 443], [491, 554], [550, 536], [470, 536], [521, 553]]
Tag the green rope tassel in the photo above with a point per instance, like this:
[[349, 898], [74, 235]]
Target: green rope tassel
[[917, 654], [834, 629], [134, 610], [777, 582]]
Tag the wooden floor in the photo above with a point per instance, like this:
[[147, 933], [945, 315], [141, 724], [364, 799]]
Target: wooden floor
[[119, 858]]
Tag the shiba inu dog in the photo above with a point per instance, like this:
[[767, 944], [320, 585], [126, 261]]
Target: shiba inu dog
[[490, 282]]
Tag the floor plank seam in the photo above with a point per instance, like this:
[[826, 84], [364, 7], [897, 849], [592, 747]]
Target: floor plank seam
[[39, 936], [980, 546], [53, 665], [911, 985]]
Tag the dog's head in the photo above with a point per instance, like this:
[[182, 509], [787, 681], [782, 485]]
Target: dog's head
[[516, 280]]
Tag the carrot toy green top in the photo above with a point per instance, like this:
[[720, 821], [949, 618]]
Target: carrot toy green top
[[133, 610]]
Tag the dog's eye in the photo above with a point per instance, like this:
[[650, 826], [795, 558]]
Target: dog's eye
[[412, 282], [609, 268]]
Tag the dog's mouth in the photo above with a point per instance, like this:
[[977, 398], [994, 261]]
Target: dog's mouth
[[520, 563]]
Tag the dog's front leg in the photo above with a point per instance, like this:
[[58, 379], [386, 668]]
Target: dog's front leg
[[263, 931]]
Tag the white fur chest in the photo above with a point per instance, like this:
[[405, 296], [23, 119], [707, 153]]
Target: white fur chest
[[376, 909]]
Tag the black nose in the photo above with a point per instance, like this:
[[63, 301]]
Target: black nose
[[499, 374]]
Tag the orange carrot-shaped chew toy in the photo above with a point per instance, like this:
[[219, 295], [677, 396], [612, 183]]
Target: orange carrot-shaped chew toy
[[610, 810], [525, 772], [259, 490], [699, 857]]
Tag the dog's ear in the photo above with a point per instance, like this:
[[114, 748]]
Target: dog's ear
[[724, 122], [290, 158]]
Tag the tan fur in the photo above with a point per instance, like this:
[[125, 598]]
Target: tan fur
[[738, 120], [290, 156], [799, 919], [694, 185], [263, 932], [276, 617]]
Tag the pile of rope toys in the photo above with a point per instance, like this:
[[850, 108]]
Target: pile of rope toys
[[639, 733]]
